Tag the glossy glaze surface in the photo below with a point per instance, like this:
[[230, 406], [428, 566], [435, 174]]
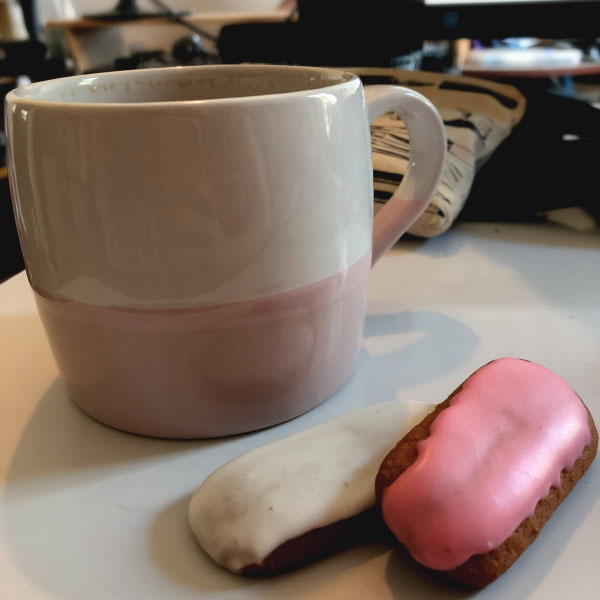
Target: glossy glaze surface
[[210, 371], [181, 203], [153, 204], [489, 458], [256, 502]]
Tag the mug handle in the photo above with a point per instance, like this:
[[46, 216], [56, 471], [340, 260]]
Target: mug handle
[[426, 161]]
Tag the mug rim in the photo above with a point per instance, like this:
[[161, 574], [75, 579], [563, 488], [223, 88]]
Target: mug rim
[[29, 93]]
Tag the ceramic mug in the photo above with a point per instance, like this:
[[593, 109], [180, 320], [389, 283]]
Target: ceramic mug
[[199, 239]]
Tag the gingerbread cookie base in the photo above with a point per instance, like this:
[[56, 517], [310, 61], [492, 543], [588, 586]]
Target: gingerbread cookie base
[[320, 543]]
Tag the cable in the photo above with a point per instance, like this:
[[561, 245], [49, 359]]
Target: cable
[[177, 18]]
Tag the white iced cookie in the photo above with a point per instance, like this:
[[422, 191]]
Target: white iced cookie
[[300, 497]]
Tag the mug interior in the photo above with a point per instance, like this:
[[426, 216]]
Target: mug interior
[[183, 84]]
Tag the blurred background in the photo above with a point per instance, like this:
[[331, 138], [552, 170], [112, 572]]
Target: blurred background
[[548, 49]]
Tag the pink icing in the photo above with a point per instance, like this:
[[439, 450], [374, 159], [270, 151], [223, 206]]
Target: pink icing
[[490, 457]]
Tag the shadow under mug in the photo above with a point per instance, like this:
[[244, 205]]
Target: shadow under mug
[[199, 239]]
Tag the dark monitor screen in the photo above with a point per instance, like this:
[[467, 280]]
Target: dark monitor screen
[[558, 19], [380, 32], [451, 19]]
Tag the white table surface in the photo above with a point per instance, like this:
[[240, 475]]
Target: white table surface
[[88, 512]]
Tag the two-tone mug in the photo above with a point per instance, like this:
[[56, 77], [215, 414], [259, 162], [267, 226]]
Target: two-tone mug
[[199, 239]]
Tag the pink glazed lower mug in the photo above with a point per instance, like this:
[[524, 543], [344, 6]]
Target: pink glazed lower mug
[[199, 239]]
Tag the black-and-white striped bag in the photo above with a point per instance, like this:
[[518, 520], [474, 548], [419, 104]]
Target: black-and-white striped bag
[[478, 115]]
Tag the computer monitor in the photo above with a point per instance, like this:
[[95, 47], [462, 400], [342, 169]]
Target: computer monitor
[[376, 32], [450, 19], [498, 19]]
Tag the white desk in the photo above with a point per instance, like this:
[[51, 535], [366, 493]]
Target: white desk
[[91, 513]]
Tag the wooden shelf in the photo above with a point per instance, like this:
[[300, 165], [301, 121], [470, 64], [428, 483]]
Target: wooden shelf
[[208, 18], [94, 44]]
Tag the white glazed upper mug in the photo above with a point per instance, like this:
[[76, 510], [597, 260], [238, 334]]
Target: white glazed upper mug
[[199, 239]]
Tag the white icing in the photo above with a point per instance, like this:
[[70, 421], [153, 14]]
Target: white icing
[[277, 492]]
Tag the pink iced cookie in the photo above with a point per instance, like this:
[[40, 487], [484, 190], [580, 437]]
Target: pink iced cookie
[[468, 489]]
